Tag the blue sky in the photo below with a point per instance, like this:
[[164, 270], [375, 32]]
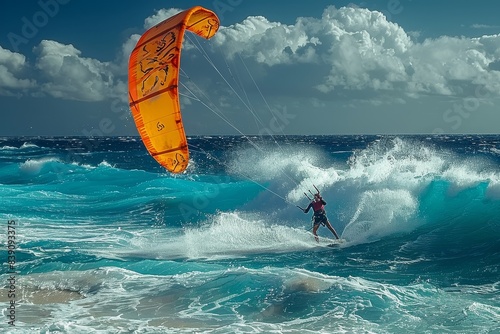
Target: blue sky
[[317, 67]]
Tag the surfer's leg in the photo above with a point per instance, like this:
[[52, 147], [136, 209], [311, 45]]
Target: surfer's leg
[[330, 227], [315, 229]]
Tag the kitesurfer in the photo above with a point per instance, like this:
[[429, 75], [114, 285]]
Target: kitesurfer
[[319, 216]]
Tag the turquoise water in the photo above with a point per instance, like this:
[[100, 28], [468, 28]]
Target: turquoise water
[[108, 242]]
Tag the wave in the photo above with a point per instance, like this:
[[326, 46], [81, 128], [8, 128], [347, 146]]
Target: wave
[[8, 148], [392, 186], [196, 296], [102, 192], [29, 146], [26, 146], [35, 166], [225, 235], [273, 299]]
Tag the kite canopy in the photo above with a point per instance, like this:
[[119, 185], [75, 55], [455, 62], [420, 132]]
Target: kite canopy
[[153, 80]]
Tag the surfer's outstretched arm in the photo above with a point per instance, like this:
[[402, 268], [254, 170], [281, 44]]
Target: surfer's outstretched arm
[[308, 207]]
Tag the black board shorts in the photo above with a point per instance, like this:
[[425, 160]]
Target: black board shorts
[[320, 218]]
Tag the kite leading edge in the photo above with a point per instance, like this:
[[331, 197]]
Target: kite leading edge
[[153, 85]]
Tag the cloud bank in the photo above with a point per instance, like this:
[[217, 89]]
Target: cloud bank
[[359, 49], [350, 49]]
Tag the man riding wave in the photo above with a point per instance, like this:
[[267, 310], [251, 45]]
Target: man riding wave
[[319, 216]]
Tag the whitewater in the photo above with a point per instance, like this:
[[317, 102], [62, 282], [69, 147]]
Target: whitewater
[[103, 240]]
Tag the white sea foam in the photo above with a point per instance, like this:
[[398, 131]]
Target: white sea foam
[[29, 145], [34, 166]]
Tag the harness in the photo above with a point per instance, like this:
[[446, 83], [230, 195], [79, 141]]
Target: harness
[[319, 217]]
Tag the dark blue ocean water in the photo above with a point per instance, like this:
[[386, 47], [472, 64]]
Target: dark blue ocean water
[[106, 241]]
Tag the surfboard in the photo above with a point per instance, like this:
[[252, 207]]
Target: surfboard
[[328, 242], [334, 243]]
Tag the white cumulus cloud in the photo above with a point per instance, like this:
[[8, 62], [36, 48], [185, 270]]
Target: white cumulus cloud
[[358, 49], [68, 75], [12, 65], [160, 16], [270, 43]]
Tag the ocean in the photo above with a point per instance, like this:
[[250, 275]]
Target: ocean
[[98, 238]]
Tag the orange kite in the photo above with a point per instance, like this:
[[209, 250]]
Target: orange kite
[[153, 85]]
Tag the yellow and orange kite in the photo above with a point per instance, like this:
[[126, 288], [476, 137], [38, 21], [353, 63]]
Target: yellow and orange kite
[[153, 85]]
